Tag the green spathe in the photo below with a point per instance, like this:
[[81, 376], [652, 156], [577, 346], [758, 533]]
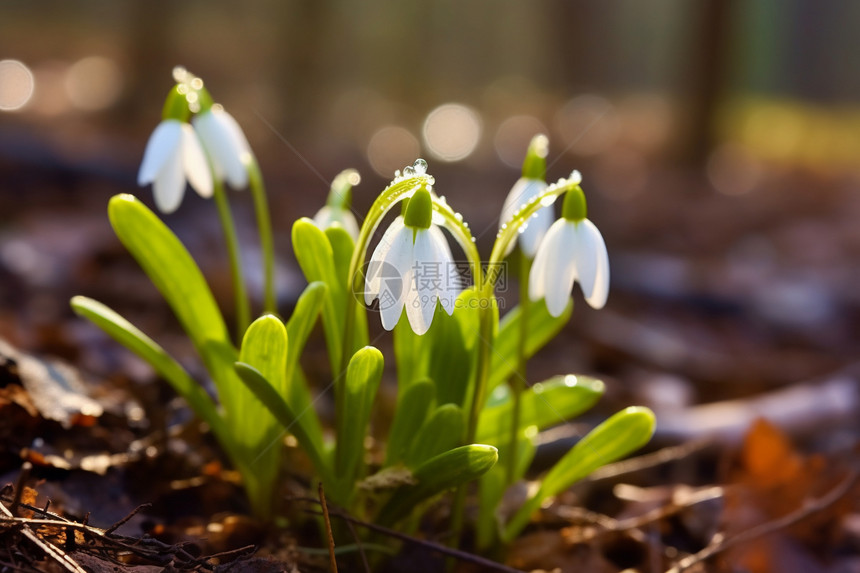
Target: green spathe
[[419, 211], [534, 164], [574, 207]]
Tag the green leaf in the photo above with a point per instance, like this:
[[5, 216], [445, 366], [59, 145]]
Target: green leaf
[[299, 327], [442, 431], [492, 487], [450, 362], [542, 328], [264, 347], [443, 472], [165, 365], [615, 438], [411, 355], [342, 247], [282, 412], [362, 380], [545, 404], [316, 259], [413, 405], [173, 271]]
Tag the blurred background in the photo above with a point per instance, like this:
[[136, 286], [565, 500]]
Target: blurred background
[[719, 143]]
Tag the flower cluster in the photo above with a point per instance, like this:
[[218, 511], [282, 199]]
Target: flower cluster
[[177, 152]]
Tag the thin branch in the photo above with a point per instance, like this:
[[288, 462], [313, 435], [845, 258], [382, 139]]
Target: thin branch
[[329, 534], [809, 508]]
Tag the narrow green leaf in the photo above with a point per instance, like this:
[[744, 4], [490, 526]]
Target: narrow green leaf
[[267, 395], [342, 247], [165, 365], [450, 362], [542, 328], [264, 347], [493, 485], [362, 380], [175, 274], [545, 404], [443, 472], [299, 328], [413, 405], [442, 431], [411, 355], [316, 259], [615, 438]]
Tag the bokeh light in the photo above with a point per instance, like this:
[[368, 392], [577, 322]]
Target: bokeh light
[[93, 83], [513, 136], [16, 85], [586, 125], [732, 170], [452, 131], [390, 148]]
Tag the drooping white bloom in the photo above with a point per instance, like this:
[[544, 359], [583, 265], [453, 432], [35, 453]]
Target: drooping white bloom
[[173, 155], [571, 250], [226, 144], [411, 267], [331, 215], [523, 191]]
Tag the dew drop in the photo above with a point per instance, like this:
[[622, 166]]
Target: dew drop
[[431, 180], [474, 240], [548, 200], [522, 229], [459, 217], [408, 171], [420, 166]]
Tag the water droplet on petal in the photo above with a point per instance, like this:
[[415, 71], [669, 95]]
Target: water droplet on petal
[[431, 180], [474, 240], [522, 229], [459, 217], [408, 171], [420, 166], [548, 200]]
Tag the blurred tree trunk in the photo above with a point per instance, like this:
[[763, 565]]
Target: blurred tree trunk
[[150, 53], [707, 75]]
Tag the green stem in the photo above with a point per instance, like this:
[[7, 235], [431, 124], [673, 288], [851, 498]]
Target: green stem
[[264, 225], [517, 382], [243, 305]]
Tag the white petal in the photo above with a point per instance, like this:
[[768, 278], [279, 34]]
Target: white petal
[[538, 225], [395, 278], [520, 194], [195, 163], [350, 224], [596, 290], [374, 267], [169, 185], [323, 218], [553, 271], [224, 147], [537, 274], [422, 289], [163, 143], [561, 270], [237, 173], [450, 286]]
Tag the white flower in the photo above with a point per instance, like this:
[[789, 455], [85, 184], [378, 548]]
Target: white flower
[[570, 250], [173, 154], [522, 192], [329, 216], [226, 144], [410, 267]]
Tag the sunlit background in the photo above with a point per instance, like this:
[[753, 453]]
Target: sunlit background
[[696, 125]]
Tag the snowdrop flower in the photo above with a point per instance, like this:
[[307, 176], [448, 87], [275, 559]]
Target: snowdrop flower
[[173, 155], [573, 249], [410, 268], [530, 185], [337, 208], [226, 144]]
